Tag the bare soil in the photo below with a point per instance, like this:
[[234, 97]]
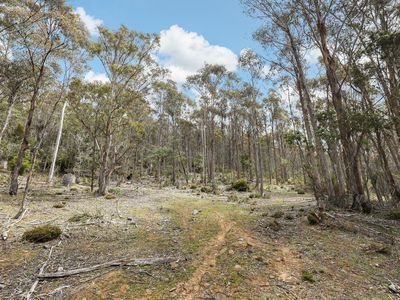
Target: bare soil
[[227, 250]]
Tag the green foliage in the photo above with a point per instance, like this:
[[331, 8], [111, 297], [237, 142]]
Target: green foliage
[[26, 165], [300, 191], [233, 198], [307, 276], [313, 219], [59, 205], [393, 214], [240, 185], [116, 191], [294, 137], [275, 226], [256, 195], [80, 217], [42, 234], [159, 153], [245, 162], [19, 131], [278, 214]]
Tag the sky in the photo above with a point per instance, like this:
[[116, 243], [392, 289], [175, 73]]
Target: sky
[[192, 32]]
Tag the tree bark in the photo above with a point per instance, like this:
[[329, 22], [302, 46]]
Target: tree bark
[[57, 145]]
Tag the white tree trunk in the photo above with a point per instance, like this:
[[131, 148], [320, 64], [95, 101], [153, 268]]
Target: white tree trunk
[[53, 163], [6, 121]]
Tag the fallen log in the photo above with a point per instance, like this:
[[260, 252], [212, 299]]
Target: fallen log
[[115, 263], [387, 238]]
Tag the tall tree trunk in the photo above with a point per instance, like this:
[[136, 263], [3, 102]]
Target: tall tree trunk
[[24, 144], [8, 118], [57, 145], [349, 152]]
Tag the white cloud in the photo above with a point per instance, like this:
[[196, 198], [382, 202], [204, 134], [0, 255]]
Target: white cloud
[[93, 77], [312, 56], [90, 22], [184, 53]]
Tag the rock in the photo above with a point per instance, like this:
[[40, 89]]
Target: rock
[[393, 288], [237, 267], [195, 212], [2, 286], [223, 250], [231, 252], [60, 269], [68, 179], [174, 265]]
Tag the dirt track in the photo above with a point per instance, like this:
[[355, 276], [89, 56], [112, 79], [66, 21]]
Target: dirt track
[[233, 250]]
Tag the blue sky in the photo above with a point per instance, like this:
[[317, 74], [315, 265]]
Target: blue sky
[[210, 30]]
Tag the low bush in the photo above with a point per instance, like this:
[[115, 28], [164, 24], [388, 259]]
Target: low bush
[[393, 214], [274, 225], [110, 196], [313, 219], [42, 234], [278, 214], [233, 198], [240, 185], [116, 191], [59, 205], [80, 217], [307, 276]]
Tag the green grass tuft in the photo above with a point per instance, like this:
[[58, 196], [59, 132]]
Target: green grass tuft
[[307, 276], [42, 234], [240, 185], [59, 205], [393, 214]]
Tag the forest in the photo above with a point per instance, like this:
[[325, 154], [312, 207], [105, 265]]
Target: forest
[[278, 180]]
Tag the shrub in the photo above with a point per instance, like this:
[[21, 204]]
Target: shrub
[[257, 195], [80, 217], [289, 217], [313, 219], [42, 234], [116, 191], [233, 198], [59, 205], [240, 185], [109, 196], [307, 276], [278, 214], [83, 217], [274, 225], [206, 189], [301, 192], [393, 214], [193, 186], [26, 165]]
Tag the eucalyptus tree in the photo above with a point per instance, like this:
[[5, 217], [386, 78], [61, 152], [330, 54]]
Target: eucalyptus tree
[[209, 83], [13, 87], [282, 33], [250, 62], [120, 103], [43, 32], [325, 22]]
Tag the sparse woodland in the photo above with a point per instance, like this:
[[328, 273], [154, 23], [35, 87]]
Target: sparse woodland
[[324, 135]]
